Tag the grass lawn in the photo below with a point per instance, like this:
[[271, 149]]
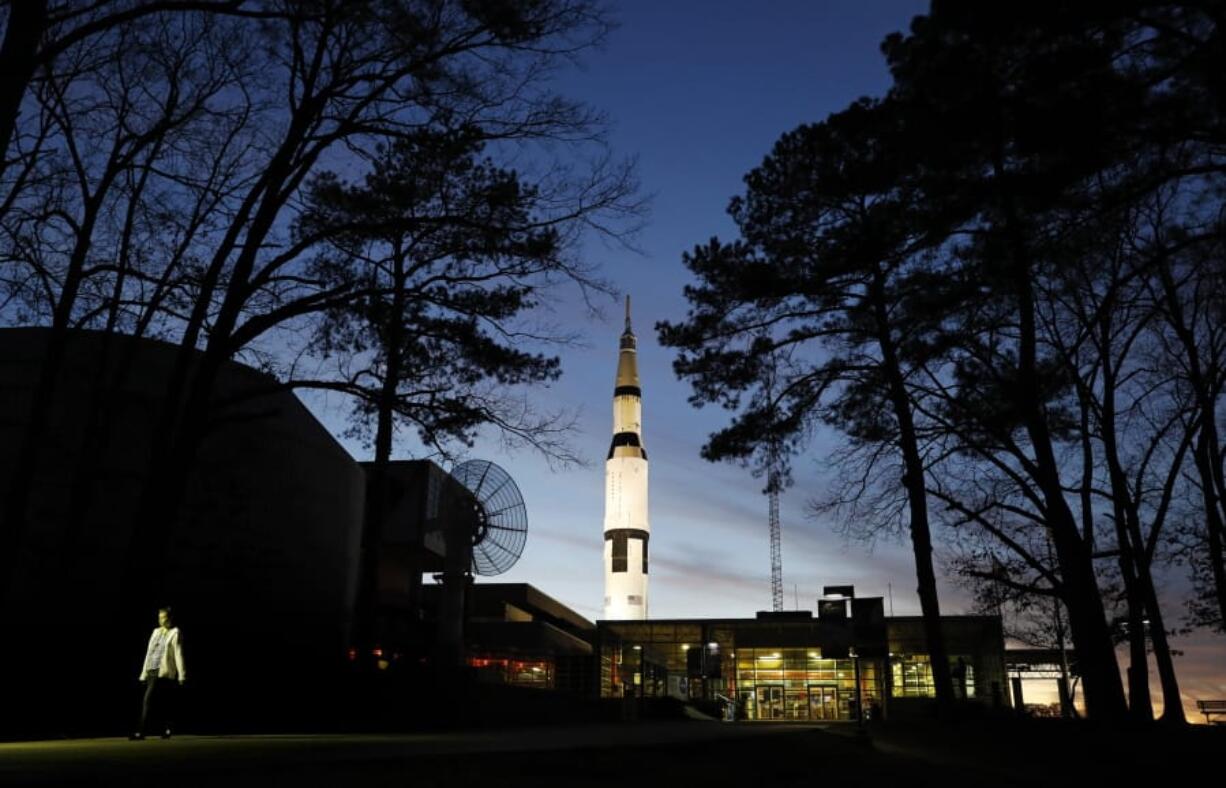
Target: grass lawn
[[683, 754]]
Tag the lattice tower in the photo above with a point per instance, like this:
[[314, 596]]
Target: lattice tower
[[776, 547]]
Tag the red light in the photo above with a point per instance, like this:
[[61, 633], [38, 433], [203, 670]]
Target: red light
[[353, 654], [378, 652]]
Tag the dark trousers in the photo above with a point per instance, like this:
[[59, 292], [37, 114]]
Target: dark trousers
[[158, 706]]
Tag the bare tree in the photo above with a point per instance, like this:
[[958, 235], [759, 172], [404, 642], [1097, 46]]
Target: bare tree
[[37, 33], [128, 115], [349, 76], [1187, 288]]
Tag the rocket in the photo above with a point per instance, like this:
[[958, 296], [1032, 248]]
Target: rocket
[[626, 531]]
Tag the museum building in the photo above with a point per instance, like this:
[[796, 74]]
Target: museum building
[[792, 665], [789, 666]]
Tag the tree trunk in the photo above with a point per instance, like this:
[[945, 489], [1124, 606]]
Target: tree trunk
[[1215, 528], [1172, 701], [1091, 636], [1068, 710], [1104, 692], [1138, 579], [1087, 619], [917, 501], [378, 492], [1207, 455], [27, 20], [1140, 704]]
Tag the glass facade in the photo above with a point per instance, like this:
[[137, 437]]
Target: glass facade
[[802, 670], [537, 673], [704, 663], [799, 684], [911, 676]]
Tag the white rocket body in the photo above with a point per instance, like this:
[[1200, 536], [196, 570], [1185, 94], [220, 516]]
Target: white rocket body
[[626, 529]]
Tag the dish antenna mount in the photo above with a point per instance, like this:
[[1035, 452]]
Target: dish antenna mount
[[499, 519]]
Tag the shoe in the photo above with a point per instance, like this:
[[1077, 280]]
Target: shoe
[[138, 736], [166, 733]]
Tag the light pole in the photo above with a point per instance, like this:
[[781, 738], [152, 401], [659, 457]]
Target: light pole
[[642, 673], [855, 662]]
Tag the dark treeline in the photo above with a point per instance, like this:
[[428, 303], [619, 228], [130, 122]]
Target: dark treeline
[[1003, 283], [363, 197]]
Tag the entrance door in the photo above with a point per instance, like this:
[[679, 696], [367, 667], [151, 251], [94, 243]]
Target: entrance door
[[823, 703], [770, 701]]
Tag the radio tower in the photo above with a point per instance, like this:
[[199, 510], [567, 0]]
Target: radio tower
[[776, 542], [773, 482]]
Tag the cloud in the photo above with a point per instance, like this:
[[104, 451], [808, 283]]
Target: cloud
[[583, 544]]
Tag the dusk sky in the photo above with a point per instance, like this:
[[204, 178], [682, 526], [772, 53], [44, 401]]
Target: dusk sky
[[698, 92]]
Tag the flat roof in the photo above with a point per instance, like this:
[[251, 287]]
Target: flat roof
[[776, 621], [532, 599]]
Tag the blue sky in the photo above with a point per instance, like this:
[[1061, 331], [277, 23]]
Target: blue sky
[[698, 92]]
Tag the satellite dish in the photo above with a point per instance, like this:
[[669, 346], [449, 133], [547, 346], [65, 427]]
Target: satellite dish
[[499, 518]]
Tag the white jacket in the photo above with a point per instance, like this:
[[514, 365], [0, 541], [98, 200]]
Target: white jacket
[[171, 666]]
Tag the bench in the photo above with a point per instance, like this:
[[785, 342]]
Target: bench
[[1211, 707]]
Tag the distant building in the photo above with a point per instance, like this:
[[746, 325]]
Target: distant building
[[790, 666], [794, 666]]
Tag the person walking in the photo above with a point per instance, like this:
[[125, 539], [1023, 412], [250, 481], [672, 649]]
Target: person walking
[[163, 675]]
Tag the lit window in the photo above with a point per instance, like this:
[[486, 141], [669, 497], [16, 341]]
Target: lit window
[[912, 677]]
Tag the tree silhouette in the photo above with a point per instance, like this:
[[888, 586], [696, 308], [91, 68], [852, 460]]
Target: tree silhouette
[[831, 251], [441, 251], [967, 211]]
